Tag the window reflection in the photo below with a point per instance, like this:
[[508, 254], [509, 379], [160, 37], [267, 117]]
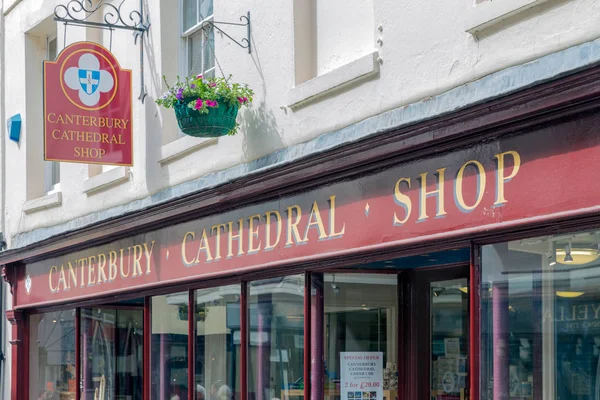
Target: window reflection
[[169, 347], [541, 318], [52, 355], [276, 338], [217, 360]]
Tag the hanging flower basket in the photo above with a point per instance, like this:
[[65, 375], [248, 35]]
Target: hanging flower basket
[[206, 107], [218, 121]]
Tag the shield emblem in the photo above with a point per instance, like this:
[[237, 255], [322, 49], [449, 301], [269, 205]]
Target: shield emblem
[[89, 80]]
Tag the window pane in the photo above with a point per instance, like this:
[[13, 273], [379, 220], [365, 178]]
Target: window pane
[[360, 316], [206, 9], [111, 353], [218, 343], [190, 14], [52, 355], [169, 347], [208, 45], [195, 53], [541, 318], [449, 341], [276, 338]]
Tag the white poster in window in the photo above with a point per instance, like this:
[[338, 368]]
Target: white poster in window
[[361, 376]]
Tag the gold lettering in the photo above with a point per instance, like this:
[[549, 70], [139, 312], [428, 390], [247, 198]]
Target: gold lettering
[[318, 222], [52, 289], [500, 178], [55, 131], [82, 262], [62, 278], [102, 268], [332, 232], [253, 234], [204, 247], [123, 274], [217, 228], [69, 119], [148, 253], [138, 252], [439, 193], [50, 116], [86, 120], [91, 270], [403, 201], [72, 274], [183, 245], [239, 237], [112, 265], [268, 214], [292, 227], [458, 185], [93, 121], [117, 123]]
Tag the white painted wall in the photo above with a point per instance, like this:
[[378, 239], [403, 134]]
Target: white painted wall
[[425, 51]]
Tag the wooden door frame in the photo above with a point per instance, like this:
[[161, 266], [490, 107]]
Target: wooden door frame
[[420, 363]]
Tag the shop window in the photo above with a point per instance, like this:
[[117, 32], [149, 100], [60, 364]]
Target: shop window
[[169, 347], [276, 338], [217, 347], [360, 326], [112, 353], [540, 312], [52, 355]]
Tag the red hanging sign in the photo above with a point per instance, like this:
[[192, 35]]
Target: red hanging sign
[[87, 107]]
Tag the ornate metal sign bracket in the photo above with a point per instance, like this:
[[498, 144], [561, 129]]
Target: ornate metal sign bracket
[[80, 12], [245, 42]]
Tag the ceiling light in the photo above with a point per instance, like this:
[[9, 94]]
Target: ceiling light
[[577, 254], [568, 294]]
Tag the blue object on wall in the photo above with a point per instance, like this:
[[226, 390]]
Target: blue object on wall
[[13, 125]]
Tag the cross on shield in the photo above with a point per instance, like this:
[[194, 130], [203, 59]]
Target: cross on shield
[[89, 80]]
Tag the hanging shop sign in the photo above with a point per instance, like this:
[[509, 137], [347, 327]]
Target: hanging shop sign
[[499, 184], [361, 375], [87, 107]]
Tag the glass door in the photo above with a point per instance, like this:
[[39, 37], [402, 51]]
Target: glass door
[[443, 334], [112, 353]]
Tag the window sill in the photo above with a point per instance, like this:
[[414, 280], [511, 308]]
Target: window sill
[[321, 85], [183, 146], [43, 203], [490, 13], [105, 180]]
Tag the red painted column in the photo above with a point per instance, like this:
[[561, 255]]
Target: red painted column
[[500, 340], [317, 314], [475, 324], [19, 355]]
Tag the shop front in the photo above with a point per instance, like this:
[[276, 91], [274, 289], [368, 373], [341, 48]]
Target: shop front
[[460, 260]]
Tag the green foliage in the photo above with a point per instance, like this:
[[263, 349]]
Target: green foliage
[[201, 94]]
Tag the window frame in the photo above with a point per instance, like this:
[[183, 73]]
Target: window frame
[[185, 36], [51, 168]]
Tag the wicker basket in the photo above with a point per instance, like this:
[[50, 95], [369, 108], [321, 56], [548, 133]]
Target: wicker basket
[[219, 121]]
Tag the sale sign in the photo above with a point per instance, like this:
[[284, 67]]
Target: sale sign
[[87, 107], [361, 375]]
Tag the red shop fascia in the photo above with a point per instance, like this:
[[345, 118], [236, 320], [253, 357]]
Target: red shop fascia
[[489, 173]]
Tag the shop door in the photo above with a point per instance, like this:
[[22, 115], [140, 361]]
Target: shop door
[[441, 332], [111, 353]]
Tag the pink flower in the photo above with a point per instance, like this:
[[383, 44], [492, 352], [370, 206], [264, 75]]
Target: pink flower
[[211, 103], [199, 76], [212, 84], [243, 100], [198, 104]]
